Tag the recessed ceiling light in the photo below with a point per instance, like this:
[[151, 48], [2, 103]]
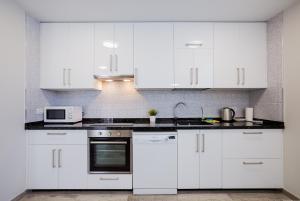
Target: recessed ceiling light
[[109, 80], [126, 80]]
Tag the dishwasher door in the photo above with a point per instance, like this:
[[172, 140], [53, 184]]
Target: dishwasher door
[[155, 163]]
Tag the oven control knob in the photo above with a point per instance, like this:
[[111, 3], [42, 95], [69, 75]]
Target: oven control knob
[[100, 133], [118, 134], [110, 134]]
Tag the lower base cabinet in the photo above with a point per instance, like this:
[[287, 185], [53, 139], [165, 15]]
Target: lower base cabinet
[[199, 159], [252, 173], [110, 181]]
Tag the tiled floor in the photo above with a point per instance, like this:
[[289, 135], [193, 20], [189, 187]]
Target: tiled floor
[[182, 196]]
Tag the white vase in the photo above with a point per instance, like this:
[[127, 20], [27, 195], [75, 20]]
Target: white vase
[[152, 119]]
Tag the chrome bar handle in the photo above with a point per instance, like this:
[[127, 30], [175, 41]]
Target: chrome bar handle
[[110, 63], [64, 77], [107, 142], [69, 76], [56, 133], [59, 158], [253, 133], [238, 76], [191, 76], [116, 63], [136, 76], [203, 143], [109, 179], [244, 76], [53, 158], [197, 143], [197, 79], [253, 163]]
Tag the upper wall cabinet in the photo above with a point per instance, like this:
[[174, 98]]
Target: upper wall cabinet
[[67, 56], [113, 49], [193, 55], [153, 55], [240, 55]]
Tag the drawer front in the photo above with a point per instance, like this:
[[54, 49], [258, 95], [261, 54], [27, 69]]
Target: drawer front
[[110, 181], [57, 137], [252, 173], [252, 143]]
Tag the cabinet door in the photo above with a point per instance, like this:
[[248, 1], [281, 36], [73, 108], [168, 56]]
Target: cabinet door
[[193, 35], [252, 55], [104, 48], [54, 55], [72, 163], [42, 167], [204, 71], [123, 54], [81, 43], [153, 55], [184, 68], [211, 159], [226, 49], [188, 159]]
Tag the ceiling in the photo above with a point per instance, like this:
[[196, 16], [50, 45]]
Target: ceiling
[[154, 10]]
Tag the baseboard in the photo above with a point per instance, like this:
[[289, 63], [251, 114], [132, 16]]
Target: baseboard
[[290, 195], [19, 197]]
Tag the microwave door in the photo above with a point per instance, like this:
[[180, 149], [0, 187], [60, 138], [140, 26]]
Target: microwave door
[[56, 114]]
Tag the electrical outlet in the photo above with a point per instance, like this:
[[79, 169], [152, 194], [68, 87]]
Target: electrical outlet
[[39, 111]]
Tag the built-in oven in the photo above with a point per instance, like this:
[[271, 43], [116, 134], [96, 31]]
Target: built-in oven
[[110, 151]]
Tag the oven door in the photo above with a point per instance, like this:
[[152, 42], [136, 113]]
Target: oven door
[[110, 155]]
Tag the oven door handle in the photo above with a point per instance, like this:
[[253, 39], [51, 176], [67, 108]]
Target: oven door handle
[[107, 142]]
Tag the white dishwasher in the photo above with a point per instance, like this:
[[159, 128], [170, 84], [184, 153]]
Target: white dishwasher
[[154, 162]]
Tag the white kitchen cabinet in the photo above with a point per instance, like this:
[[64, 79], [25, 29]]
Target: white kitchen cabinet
[[199, 159], [53, 166], [113, 49], [252, 158], [73, 169], [153, 55], [42, 167], [67, 56], [193, 55], [240, 55]]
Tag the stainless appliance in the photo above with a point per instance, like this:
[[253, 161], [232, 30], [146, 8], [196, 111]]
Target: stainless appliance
[[62, 114], [228, 114], [110, 151]]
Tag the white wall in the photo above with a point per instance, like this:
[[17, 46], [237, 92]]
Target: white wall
[[12, 136], [291, 51]]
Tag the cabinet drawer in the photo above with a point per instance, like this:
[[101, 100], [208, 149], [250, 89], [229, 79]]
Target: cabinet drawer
[[252, 173], [252, 143], [57, 137], [110, 181]]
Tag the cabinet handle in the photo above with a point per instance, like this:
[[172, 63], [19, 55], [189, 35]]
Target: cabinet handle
[[109, 179], [253, 163], [197, 79], [238, 76], [116, 60], [253, 133], [56, 133], [244, 76], [64, 77], [191, 76], [203, 143], [197, 143], [110, 62], [53, 158], [69, 76], [59, 158], [136, 76]]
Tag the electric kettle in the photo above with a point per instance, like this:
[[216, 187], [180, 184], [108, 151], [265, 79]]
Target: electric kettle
[[228, 114]]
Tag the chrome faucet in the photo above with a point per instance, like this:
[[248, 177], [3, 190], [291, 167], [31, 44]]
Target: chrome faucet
[[175, 107], [202, 114]]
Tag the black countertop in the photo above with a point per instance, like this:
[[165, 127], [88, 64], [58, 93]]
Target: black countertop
[[142, 124]]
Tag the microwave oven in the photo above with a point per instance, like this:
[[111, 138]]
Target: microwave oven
[[62, 114]]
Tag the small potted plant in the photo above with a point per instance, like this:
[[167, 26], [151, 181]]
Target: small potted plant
[[152, 113]]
